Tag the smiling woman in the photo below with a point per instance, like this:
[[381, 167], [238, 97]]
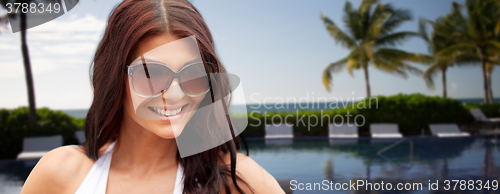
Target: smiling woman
[[153, 87]]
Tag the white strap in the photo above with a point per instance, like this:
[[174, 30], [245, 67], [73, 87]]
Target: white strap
[[97, 178], [179, 180]]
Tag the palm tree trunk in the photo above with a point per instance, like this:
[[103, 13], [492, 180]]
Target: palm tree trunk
[[490, 87], [365, 69], [443, 79], [485, 80], [27, 70]]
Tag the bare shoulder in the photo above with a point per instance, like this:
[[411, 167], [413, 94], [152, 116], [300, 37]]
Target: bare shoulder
[[60, 170], [253, 174]]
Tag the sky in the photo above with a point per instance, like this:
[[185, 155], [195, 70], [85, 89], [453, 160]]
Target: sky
[[278, 48]]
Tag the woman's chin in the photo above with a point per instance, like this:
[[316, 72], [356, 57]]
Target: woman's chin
[[169, 132]]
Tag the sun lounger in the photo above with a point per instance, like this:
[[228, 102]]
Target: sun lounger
[[385, 130], [343, 131], [479, 116], [447, 130], [279, 131], [36, 147]]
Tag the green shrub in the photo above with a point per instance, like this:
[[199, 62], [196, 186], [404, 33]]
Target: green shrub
[[412, 112], [305, 123], [79, 122], [490, 110], [415, 112], [14, 128]]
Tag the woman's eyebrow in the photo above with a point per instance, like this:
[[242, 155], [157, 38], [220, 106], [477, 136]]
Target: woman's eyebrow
[[192, 61], [140, 61], [147, 60]]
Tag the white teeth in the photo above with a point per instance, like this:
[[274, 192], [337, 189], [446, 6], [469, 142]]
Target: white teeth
[[164, 112]]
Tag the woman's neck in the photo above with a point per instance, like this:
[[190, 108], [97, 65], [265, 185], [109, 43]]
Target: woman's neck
[[142, 150]]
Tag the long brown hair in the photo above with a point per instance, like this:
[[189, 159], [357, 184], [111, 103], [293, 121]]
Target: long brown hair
[[130, 21]]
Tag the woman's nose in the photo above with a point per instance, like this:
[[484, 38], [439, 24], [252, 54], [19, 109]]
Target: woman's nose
[[174, 93]]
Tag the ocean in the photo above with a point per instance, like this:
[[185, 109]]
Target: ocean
[[288, 107]]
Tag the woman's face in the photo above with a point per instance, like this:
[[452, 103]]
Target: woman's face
[[172, 99]]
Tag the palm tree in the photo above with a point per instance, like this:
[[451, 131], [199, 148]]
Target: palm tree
[[438, 40], [370, 38], [26, 60], [490, 66], [475, 34], [25, 52]]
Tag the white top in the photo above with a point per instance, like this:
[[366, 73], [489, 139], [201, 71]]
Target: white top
[[96, 180]]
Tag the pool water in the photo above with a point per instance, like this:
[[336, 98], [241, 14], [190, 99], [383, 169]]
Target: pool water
[[316, 160], [412, 160]]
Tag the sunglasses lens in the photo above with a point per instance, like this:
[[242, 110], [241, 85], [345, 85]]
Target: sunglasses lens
[[194, 79], [150, 79]]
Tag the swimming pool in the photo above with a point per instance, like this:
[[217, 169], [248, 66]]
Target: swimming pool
[[413, 160], [316, 160]]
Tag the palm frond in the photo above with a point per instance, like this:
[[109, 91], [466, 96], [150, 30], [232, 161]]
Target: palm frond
[[327, 79], [391, 59], [422, 29], [402, 56], [465, 59], [497, 27], [394, 38], [397, 18], [388, 67], [495, 45], [337, 34], [378, 11], [350, 19], [334, 67], [337, 66], [366, 5], [364, 12], [413, 70], [430, 73], [455, 50], [374, 30], [353, 64]]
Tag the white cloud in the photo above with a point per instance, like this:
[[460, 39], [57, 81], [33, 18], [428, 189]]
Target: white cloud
[[15, 68], [64, 36], [9, 47], [11, 69], [70, 48], [66, 43], [87, 28], [89, 23], [7, 58]]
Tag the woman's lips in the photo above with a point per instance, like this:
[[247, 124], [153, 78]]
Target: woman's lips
[[168, 118]]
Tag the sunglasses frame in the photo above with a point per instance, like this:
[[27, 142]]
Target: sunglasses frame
[[174, 76]]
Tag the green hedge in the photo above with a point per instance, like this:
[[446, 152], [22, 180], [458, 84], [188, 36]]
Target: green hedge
[[415, 112], [14, 127], [412, 112], [490, 110]]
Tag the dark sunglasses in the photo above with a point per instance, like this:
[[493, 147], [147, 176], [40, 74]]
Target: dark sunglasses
[[151, 79]]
